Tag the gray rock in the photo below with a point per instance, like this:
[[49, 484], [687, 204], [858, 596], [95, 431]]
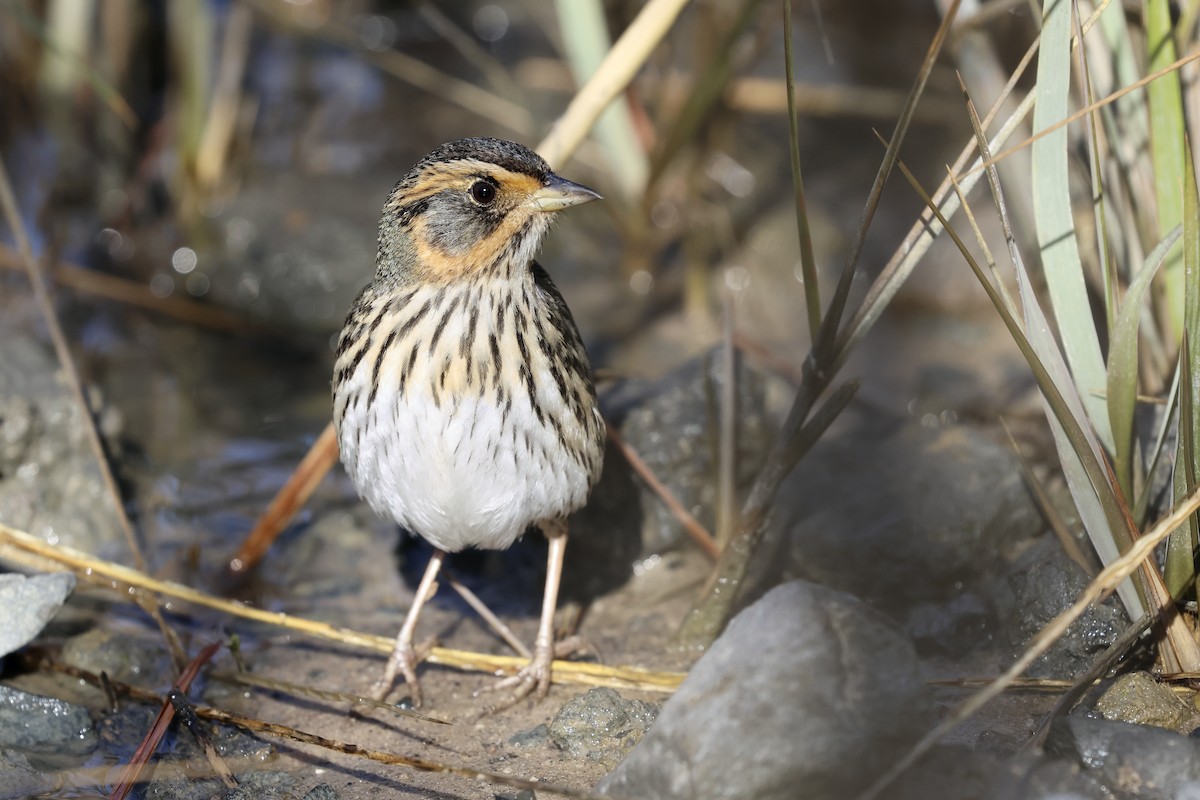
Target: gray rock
[[1188, 790], [172, 781], [958, 771], [50, 484], [533, 737], [600, 725], [674, 430], [952, 627], [125, 658], [1036, 777], [27, 604], [807, 687], [18, 779], [1138, 698], [321, 792], [871, 507], [946, 771], [44, 725], [1131, 761], [1042, 583]]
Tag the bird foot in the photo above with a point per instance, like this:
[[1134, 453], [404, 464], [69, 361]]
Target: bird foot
[[533, 678], [403, 661]]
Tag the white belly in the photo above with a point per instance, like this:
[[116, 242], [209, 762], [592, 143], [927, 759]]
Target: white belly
[[458, 475]]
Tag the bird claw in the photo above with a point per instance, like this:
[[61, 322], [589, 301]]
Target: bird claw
[[403, 661], [533, 678]]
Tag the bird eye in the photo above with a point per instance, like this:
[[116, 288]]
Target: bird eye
[[483, 192]]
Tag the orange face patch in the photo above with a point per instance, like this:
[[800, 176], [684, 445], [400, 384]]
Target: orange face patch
[[429, 231]]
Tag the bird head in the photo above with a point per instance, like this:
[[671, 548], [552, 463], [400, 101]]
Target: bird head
[[472, 206]]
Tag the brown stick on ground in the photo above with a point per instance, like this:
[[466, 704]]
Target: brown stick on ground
[[291, 498], [133, 770], [690, 524]]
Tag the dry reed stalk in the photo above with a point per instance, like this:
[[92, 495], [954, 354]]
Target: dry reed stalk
[[16, 547]]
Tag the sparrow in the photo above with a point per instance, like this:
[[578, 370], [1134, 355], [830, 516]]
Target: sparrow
[[462, 393]]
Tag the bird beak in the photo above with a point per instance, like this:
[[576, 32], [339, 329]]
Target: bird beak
[[559, 193]]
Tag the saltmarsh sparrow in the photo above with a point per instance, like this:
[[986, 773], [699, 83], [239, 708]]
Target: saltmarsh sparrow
[[462, 393]]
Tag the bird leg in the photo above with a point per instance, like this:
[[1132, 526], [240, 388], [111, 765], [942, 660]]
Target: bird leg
[[535, 676], [405, 656]]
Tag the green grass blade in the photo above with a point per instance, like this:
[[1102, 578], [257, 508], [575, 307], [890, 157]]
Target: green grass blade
[[1191, 255], [1180, 569], [1123, 363], [808, 264], [1166, 151], [1098, 506], [1079, 451], [1130, 110], [1055, 224]]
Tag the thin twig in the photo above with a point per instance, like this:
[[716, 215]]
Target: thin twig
[[1099, 668], [296, 735], [727, 430], [133, 770], [17, 547], [1088, 109], [494, 622], [690, 524], [1069, 545], [299, 486]]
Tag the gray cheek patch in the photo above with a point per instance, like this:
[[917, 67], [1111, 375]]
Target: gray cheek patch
[[454, 224]]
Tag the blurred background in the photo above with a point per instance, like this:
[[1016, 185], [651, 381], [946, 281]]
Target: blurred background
[[201, 183]]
